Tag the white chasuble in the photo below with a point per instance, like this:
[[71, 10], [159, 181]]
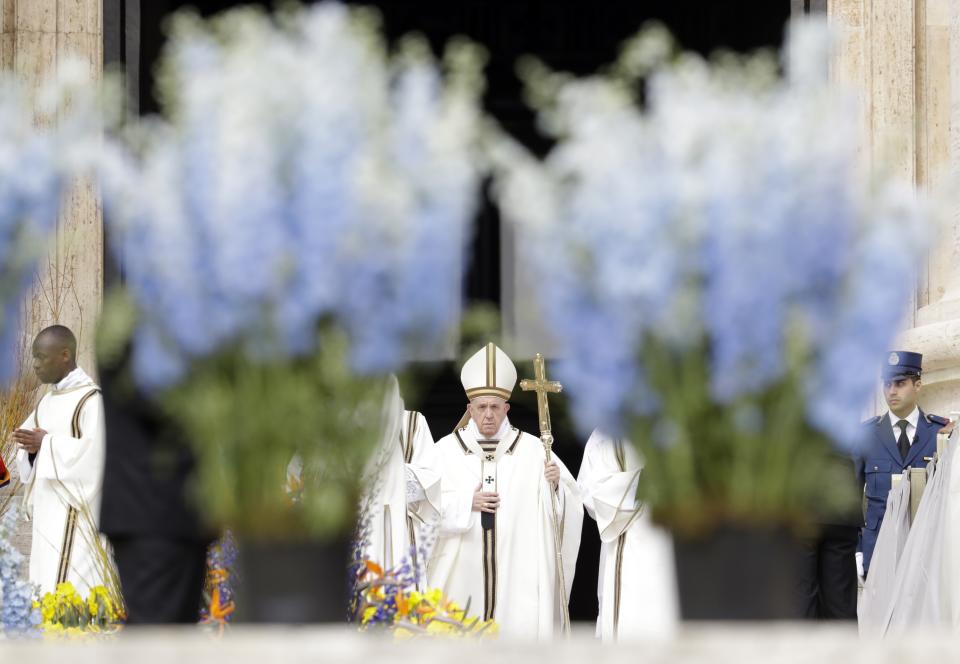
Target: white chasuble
[[64, 482], [403, 512], [636, 587], [507, 571]]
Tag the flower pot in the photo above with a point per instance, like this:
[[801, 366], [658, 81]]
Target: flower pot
[[292, 582], [738, 573]]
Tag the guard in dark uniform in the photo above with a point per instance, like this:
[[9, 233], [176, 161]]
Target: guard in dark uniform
[[904, 437], [158, 538]]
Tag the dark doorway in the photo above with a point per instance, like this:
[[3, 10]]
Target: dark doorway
[[572, 35]]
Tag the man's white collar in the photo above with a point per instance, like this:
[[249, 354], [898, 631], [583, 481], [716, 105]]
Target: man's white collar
[[474, 430], [73, 379], [913, 418]]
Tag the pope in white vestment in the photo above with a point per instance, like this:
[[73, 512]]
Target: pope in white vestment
[[60, 459], [496, 549], [636, 587], [402, 514]]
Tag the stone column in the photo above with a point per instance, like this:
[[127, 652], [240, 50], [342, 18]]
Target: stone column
[[35, 37], [902, 57], [38, 35]]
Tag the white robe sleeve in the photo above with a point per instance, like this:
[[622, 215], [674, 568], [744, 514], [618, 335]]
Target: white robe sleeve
[[456, 513], [65, 458], [24, 466], [425, 466], [609, 494]]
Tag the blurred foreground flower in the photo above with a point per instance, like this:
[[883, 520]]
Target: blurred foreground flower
[[18, 614], [389, 599], [291, 230], [299, 176], [65, 613], [721, 276]]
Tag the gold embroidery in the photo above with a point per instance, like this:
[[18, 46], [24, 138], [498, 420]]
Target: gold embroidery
[[66, 549], [491, 365], [516, 440], [75, 424], [463, 445], [488, 391], [490, 571]]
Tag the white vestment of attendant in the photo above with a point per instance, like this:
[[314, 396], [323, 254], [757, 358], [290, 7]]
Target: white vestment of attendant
[[403, 512], [924, 571], [636, 587], [63, 485], [949, 581], [507, 573], [877, 597]]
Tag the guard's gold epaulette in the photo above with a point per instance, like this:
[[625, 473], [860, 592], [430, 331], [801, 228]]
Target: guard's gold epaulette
[[936, 419], [872, 420]]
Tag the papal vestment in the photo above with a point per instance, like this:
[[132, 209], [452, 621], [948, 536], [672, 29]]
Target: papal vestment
[[507, 571]]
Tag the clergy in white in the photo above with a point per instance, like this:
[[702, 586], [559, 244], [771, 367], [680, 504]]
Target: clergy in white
[[636, 587], [496, 548], [402, 514], [60, 457]]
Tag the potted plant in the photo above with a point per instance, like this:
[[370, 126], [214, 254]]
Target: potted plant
[[722, 281], [291, 230]]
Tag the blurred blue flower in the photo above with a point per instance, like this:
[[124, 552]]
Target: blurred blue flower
[[729, 214], [300, 177], [17, 615]]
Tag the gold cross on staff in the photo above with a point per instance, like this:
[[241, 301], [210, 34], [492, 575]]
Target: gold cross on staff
[[542, 387]]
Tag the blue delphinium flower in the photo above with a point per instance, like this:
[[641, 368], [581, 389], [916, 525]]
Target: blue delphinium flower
[[300, 176], [17, 613], [727, 216]]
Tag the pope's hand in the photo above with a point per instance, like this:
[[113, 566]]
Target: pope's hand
[[947, 430], [552, 473], [29, 440], [485, 501]]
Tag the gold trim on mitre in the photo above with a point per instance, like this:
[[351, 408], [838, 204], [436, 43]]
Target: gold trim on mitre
[[489, 392], [489, 373]]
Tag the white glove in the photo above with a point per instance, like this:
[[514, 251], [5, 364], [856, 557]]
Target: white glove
[[859, 558]]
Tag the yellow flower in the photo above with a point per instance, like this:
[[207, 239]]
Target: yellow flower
[[403, 634], [438, 627]]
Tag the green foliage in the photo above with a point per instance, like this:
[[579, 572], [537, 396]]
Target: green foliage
[[252, 423], [755, 461]]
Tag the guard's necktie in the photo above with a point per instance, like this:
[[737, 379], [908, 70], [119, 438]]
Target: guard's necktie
[[903, 442]]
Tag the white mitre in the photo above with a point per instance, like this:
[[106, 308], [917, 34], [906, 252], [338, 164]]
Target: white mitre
[[489, 373]]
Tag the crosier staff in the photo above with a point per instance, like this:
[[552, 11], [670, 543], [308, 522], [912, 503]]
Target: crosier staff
[[542, 387]]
